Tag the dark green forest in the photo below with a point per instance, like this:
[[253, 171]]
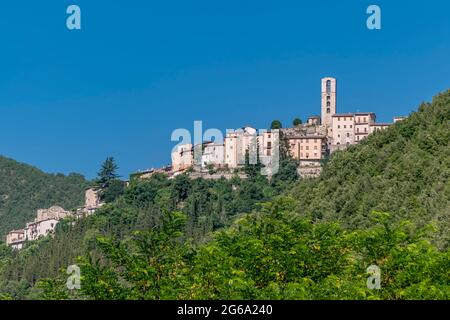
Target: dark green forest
[[384, 202], [24, 189]]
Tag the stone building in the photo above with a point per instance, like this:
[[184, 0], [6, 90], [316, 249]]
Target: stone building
[[213, 154], [237, 142], [16, 238], [363, 121], [45, 222], [182, 157]]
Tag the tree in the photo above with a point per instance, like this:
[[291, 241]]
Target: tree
[[107, 180], [107, 172], [276, 124], [297, 122], [114, 190]]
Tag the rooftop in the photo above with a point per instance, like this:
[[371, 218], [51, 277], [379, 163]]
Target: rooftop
[[343, 115]]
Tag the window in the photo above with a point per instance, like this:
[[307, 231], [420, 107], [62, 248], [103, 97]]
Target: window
[[268, 152], [345, 126], [357, 129], [315, 147], [269, 135], [339, 135], [328, 103], [339, 126], [307, 147], [365, 129], [328, 110], [365, 119], [328, 86], [351, 126], [348, 143], [328, 98], [269, 144], [348, 135]]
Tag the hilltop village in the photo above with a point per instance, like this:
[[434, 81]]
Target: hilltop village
[[309, 143]]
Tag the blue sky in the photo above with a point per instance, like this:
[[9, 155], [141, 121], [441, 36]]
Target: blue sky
[[140, 69]]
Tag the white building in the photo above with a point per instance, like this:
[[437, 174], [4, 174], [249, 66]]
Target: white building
[[182, 157], [237, 143], [213, 154], [45, 222]]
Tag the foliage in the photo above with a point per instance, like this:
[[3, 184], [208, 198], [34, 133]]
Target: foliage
[[256, 238], [296, 122], [276, 124], [24, 189]]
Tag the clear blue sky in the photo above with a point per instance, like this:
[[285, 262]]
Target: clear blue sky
[[139, 69]]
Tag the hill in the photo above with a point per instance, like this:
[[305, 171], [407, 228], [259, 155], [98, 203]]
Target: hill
[[24, 189], [384, 202], [404, 170]]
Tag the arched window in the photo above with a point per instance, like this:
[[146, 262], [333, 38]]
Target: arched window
[[328, 86], [328, 103]]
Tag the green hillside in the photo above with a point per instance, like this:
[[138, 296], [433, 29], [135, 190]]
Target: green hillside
[[404, 170], [24, 188], [384, 202]]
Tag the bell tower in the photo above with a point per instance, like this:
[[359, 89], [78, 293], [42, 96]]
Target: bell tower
[[329, 91]]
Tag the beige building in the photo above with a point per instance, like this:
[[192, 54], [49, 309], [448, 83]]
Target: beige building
[[268, 141], [343, 131], [237, 143], [45, 222], [363, 121], [312, 148], [92, 201], [182, 157], [16, 239]]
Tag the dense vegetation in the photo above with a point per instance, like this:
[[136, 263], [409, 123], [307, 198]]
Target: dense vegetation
[[385, 202], [24, 188]]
